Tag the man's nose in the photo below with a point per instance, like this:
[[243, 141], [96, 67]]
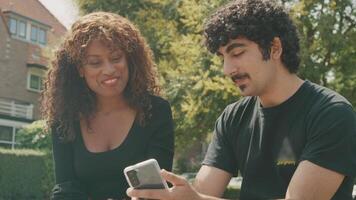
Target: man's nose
[[229, 68]]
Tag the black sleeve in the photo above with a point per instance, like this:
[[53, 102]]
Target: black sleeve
[[161, 144], [220, 152], [67, 187], [331, 140], [68, 191]]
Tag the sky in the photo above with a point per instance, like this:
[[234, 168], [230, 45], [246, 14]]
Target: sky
[[64, 10]]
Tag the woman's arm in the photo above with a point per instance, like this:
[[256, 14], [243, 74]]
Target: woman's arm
[[66, 187], [161, 143]]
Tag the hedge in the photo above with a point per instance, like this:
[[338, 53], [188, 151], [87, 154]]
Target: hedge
[[25, 174]]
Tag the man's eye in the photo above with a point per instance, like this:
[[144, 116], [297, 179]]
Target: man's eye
[[237, 54]]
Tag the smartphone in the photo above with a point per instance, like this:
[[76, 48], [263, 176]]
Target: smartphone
[[145, 175]]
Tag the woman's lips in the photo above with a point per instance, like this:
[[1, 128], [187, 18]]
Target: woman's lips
[[110, 82]]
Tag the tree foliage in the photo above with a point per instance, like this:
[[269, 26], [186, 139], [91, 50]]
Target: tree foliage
[[328, 32], [192, 78]]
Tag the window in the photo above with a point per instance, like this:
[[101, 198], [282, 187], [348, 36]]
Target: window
[[34, 31], [17, 27], [6, 139], [12, 25], [35, 79], [38, 34], [6, 133], [22, 29], [42, 36], [28, 30], [36, 82]]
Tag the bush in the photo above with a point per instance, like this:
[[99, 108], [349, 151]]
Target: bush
[[33, 136], [25, 174]]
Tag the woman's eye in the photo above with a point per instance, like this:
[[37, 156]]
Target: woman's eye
[[116, 59], [94, 63]]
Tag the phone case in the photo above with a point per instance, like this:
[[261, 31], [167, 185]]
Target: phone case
[[145, 175]]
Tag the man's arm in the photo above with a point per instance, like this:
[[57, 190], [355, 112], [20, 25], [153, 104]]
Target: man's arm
[[328, 153], [311, 181], [206, 179], [207, 175]]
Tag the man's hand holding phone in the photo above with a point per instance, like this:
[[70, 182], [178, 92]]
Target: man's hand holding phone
[[147, 185], [181, 190], [145, 175]]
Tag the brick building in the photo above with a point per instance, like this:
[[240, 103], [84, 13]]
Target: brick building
[[27, 31]]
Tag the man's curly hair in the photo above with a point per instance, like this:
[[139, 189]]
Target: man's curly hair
[[256, 20], [66, 97]]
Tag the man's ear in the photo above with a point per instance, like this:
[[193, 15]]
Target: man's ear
[[276, 48]]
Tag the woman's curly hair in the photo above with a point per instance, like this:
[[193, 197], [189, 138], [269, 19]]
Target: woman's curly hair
[[259, 21], [67, 98]]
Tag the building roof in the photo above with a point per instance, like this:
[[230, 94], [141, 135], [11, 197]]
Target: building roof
[[2, 18], [34, 9]]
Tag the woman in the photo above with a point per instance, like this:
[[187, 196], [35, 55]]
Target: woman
[[100, 103]]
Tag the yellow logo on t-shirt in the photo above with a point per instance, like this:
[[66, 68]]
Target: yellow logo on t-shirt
[[286, 162], [286, 155]]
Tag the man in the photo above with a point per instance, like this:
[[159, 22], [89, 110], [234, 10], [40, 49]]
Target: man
[[289, 138]]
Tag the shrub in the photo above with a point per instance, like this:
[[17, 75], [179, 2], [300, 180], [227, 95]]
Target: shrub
[[25, 174], [33, 136]]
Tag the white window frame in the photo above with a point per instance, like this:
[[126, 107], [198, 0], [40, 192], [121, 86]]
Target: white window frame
[[39, 31], [39, 39], [14, 125], [19, 22], [10, 25], [29, 23], [34, 27], [35, 72]]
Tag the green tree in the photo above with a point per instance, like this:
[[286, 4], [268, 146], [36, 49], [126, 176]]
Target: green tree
[[194, 82], [328, 40], [192, 78]]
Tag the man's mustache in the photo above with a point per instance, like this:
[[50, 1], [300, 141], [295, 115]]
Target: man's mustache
[[239, 76]]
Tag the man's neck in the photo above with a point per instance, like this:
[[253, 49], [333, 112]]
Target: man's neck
[[281, 89]]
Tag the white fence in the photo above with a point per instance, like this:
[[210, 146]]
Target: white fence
[[12, 108]]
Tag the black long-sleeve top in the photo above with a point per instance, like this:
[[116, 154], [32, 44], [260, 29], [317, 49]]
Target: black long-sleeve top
[[81, 174]]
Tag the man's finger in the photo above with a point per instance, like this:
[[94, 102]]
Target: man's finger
[[148, 194], [172, 178]]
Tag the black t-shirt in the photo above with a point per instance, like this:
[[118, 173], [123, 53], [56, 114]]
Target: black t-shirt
[[267, 144], [100, 175]]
